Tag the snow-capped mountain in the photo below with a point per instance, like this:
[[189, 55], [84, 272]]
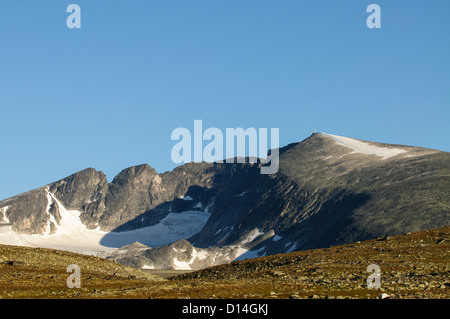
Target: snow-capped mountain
[[329, 190]]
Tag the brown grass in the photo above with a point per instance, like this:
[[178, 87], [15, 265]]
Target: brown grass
[[416, 265]]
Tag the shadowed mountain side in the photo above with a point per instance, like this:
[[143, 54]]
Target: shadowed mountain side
[[317, 231], [166, 223]]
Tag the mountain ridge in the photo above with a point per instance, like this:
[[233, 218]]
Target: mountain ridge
[[329, 190]]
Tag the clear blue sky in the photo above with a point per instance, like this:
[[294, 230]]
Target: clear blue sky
[[108, 95]]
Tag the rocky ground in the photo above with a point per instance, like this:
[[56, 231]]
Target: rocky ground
[[415, 265]]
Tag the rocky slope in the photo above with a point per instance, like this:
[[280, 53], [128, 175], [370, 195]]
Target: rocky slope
[[329, 190]]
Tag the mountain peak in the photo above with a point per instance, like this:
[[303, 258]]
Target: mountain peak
[[134, 171]]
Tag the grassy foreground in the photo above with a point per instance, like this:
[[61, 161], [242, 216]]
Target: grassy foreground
[[415, 265]]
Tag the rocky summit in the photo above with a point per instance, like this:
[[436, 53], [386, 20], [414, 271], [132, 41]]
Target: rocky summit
[[329, 190]]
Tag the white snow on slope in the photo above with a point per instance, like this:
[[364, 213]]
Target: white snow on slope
[[51, 219], [276, 238], [72, 235], [251, 254], [9, 237], [197, 254], [365, 148], [184, 265], [148, 267], [250, 236], [171, 228], [3, 213], [294, 246]]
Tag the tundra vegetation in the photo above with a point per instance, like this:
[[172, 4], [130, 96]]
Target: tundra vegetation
[[413, 265]]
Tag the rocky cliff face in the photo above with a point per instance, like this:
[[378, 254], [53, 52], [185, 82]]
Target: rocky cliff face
[[329, 190]]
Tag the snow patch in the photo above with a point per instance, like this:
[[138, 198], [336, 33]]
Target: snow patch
[[276, 238], [251, 254], [202, 254], [292, 248], [364, 148], [3, 214], [251, 236], [51, 218], [181, 265], [239, 252], [177, 250], [197, 254], [148, 267], [208, 206]]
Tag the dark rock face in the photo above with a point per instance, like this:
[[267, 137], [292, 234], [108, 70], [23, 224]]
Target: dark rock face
[[128, 195], [27, 212], [323, 194], [84, 191]]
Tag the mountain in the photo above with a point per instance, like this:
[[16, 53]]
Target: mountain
[[329, 190]]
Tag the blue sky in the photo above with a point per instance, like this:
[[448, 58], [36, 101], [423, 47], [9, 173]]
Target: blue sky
[[108, 95]]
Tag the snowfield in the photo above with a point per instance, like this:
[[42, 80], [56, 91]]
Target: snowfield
[[72, 235]]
